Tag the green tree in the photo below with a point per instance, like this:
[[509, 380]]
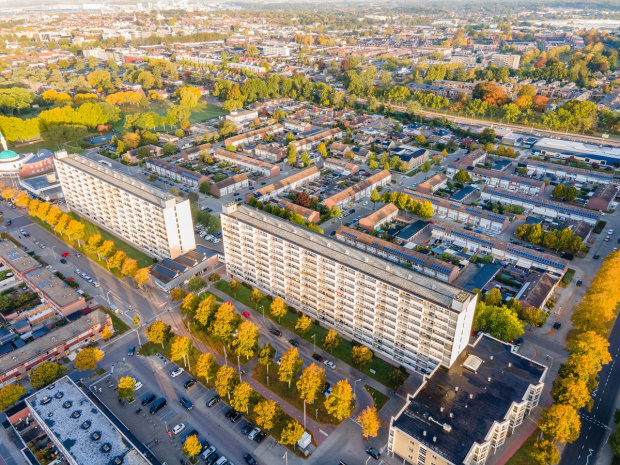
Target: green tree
[[10, 394], [290, 364], [614, 441], [500, 322], [196, 283], [291, 155], [87, 359], [462, 176], [46, 373], [558, 192], [493, 297]]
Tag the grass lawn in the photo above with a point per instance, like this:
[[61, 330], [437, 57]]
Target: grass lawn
[[568, 277], [119, 325], [216, 345], [380, 367], [379, 398], [47, 145], [522, 455], [291, 395]]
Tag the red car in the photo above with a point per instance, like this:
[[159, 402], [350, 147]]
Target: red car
[[65, 255], [246, 314]]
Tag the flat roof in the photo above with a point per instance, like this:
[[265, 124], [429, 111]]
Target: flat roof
[[360, 186], [568, 169], [482, 397], [236, 157], [74, 420], [118, 179], [285, 182], [424, 286], [17, 258], [569, 146], [52, 339]]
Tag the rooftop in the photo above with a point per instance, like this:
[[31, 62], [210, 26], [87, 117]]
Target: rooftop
[[424, 286], [458, 406], [360, 186], [83, 430], [384, 212]]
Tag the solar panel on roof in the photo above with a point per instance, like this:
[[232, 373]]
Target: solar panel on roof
[[440, 268], [545, 204], [473, 238]]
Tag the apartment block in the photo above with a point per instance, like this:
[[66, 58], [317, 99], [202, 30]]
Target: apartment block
[[405, 316], [510, 61], [152, 219], [264, 168], [463, 414]]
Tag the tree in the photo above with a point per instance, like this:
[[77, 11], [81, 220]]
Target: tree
[[493, 297], [206, 366], [291, 155], [361, 356], [179, 349], [572, 391], [93, 243], [339, 403], [225, 381], [545, 452], [560, 422], [500, 322], [177, 294], [256, 297], [106, 333], [126, 387], [278, 308], [558, 192], [334, 212], [292, 433], [266, 413], [332, 340], [614, 441], [592, 345], [305, 158], [142, 276], [233, 287], [117, 260], [242, 396], [265, 356], [10, 394], [322, 150], [136, 320], [205, 187], [106, 249], [158, 332], [374, 198], [311, 383], [247, 337], [396, 377], [205, 310], [46, 373], [130, 267], [369, 419], [75, 230], [462, 176], [196, 283], [189, 304], [425, 210], [303, 325], [290, 364], [225, 321], [192, 446], [87, 359]]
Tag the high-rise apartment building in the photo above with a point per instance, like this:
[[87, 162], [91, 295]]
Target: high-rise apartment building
[[413, 319], [152, 219]]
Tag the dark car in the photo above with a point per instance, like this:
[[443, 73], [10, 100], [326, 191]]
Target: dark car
[[352, 210], [249, 426], [131, 351], [579, 282], [317, 357], [191, 433], [63, 261], [260, 436], [518, 341], [249, 459], [374, 453], [186, 403], [596, 256], [235, 416], [211, 459], [293, 342], [557, 325], [212, 401], [275, 332], [148, 399], [190, 383]]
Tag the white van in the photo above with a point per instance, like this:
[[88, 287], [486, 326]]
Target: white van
[[208, 452], [222, 461]]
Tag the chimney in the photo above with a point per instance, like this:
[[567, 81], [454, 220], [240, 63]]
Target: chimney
[[509, 365], [434, 438], [451, 415], [489, 379], [441, 409], [424, 433], [471, 396], [491, 357], [456, 389]]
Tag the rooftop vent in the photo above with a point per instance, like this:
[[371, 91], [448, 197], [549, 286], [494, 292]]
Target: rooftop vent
[[491, 357], [434, 438], [509, 365], [46, 400], [456, 389], [489, 379], [451, 415], [441, 409], [59, 395], [67, 404], [471, 396], [472, 363], [95, 436], [424, 433], [106, 448], [86, 424], [446, 427], [76, 414]]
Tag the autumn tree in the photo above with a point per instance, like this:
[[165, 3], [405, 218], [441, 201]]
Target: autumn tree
[[106, 333], [225, 381], [339, 403], [278, 308], [192, 446], [10, 394], [130, 267], [303, 325], [361, 356], [158, 332], [190, 304], [87, 359], [266, 412], [225, 321], [292, 433], [179, 349], [311, 383], [545, 452], [106, 250], [369, 420], [126, 387], [205, 310], [46, 373], [256, 297], [206, 366], [572, 391], [290, 364], [117, 260], [265, 356], [560, 422], [142, 276], [592, 345], [233, 287], [242, 397], [246, 340], [332, 340], [462, 176]]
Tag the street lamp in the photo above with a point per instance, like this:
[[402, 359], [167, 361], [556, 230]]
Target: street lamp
[[354, 383], [314, 343], [108, 295], [53, 254], [263, 309]]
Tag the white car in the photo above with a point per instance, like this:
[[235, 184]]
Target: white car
[[138, 385], [611, 231], [216, 240], [177, 372], [178, 428], [253, 433], [365, 203], [95, 283], [329, 364]]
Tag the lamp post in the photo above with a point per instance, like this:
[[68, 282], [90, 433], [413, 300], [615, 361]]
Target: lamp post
[[263, 309], [53, 254], [354, 383], [108, 295], [314, 343]]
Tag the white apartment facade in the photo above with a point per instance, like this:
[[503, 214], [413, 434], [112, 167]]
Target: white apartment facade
[[153, 220], [402, 315]]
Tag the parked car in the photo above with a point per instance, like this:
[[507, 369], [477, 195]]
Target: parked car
[[247, 428], [138, 385], [190, 383], [260, 436], [178, 428], [249, 459], [132, 351], [235, 416], [293, 342], [374, 453], [253, 433], [186, 403], [148, 399], [176, 372], [557, 325], [211, 450], [579, 282], [212, 401], [329, 364], [317, 357], [63, 261], [275, 332], [246, 314]]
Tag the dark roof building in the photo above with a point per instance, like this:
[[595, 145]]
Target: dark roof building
[[603, 196], [463, 413]]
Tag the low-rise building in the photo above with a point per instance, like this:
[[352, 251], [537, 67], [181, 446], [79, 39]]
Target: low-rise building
[[292, 182], [307, 214], [412, 156], [377, 219], [468, 214], [536, 290], [341, 166], [241, 117], [507, 181], [357, 191], [195, 153], [310, 142], [470, 160], [192, 179], [256, 166], [131, 156], [46, 187], [438, 269], [272, 152], [562, 173], [603, 197], [251, 137], [53, 346], [432, 184], [462, 414], [229, 185], [170, 273], [338, 150], [481, 244], [588, 153], [536, 205]]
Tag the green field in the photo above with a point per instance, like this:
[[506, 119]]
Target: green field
[[523, 455]]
